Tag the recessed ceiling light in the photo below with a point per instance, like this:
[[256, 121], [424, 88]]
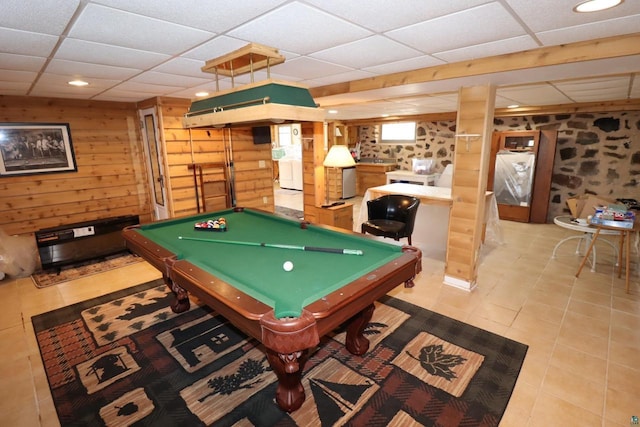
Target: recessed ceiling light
[[596, 5], [201, 94], [513, 106], [332, 111], [78, 83], [384, 115]]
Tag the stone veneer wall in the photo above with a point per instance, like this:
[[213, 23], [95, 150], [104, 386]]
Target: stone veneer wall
[[596, 153]]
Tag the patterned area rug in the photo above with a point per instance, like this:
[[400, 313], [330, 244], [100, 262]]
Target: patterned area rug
[[126, 359], [42, 279]]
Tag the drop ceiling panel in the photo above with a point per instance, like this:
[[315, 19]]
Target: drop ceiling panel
[[9, 61], [184, 67], [17, 76], [214, 48], [368, 52], [382, 15], [590, 90], [545, 15], [153, 90], [164, 79], [98, 53], [472, 27], [26, 43], [338, 78], [50, 84], [15, 88], [311, 68], [444, 102], [207, 15], [299, 28], [407, 64], [499, 47], [89, 71], [110, 26], [614, 27], [122, 95], [48, 17], [530, 95]]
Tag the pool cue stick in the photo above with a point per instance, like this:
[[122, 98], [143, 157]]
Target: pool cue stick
[[279, 246]]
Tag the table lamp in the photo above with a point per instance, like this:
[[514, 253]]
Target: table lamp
[[338, 157]]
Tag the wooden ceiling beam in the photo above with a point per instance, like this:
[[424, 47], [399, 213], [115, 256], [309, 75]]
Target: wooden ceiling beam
[[607, 48], [585, 107]]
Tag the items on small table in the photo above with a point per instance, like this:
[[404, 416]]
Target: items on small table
[[625, 234], [581, 225]]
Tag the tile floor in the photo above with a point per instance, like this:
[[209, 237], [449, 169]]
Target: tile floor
[[582, 367]]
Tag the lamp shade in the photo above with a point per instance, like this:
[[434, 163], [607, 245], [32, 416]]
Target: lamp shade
[[339, 156]]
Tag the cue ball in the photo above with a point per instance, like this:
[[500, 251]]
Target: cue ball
[[288, 266]]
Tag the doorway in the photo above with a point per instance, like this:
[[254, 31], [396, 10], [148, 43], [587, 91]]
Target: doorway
[[287, 159], [154, 162]]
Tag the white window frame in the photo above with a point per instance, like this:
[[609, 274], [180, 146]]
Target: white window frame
[[398, 133]]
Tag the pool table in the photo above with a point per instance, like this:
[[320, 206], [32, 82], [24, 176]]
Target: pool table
[[287, 311]]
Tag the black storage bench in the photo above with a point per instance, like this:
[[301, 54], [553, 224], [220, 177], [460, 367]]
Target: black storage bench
[[82, 241]]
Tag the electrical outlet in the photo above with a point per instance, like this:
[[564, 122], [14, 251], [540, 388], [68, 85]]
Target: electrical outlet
[[262, 164], [265, 200]]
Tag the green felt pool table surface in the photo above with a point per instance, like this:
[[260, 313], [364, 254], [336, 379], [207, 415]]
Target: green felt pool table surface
[[258, 271], [287, 311]]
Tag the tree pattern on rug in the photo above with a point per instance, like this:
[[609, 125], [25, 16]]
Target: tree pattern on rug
[[436, 362], [227, 384]]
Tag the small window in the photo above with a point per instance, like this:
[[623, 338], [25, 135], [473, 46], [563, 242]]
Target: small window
[[398, 133], [284, 136]]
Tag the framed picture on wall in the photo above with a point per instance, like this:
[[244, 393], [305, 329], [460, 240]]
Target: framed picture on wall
[[32, 148]]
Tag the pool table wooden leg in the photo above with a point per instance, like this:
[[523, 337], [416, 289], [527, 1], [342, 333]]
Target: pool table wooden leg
[[288, 367], [355, 342], [181, 303]]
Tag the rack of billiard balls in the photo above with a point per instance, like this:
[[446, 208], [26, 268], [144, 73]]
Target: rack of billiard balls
[[219, 224]]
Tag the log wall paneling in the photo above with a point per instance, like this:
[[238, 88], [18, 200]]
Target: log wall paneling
[[111, 177], [253, 170], [471, 164], [177, 155]]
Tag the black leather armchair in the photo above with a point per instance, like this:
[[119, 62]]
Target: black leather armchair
[[392, 215]]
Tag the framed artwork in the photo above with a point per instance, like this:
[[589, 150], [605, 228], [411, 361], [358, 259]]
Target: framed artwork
[[32, 148]]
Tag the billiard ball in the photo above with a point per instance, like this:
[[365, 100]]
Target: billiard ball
[[288, 266]]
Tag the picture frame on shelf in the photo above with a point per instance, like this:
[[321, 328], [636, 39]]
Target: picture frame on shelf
[[35, 148]]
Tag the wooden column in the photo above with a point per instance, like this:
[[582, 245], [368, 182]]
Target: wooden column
[[470, 171], [313, 173]]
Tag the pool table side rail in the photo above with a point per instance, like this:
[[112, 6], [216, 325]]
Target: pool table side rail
[[335, 309], [151, 252], [241, 309]]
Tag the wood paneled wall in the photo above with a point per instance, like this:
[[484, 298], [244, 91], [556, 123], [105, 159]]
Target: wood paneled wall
[[253, 167], [111, 177]]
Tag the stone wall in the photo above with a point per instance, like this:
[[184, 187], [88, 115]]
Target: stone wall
[[596, 153]]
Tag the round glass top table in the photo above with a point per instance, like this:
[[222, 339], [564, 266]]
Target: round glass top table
[[566, 221]]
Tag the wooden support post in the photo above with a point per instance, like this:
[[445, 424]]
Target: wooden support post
[[470, 172]]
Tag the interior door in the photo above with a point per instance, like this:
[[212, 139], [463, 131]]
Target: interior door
[[155, 162]]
